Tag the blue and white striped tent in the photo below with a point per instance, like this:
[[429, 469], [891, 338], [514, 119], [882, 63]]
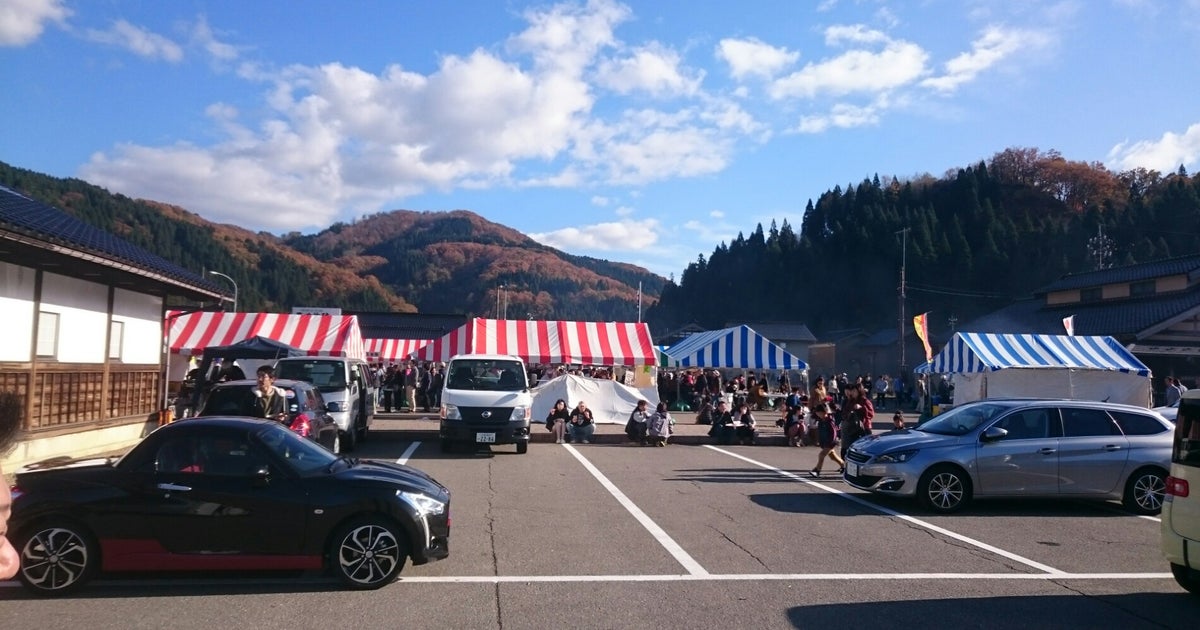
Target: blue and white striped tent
[[983, 352], [737, 347], [1060, 366]]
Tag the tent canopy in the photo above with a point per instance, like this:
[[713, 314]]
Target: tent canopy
[[1050, 366], [985, 352], [329, 335], [737, 347], [391, 350], [253, 348], [541, 341]]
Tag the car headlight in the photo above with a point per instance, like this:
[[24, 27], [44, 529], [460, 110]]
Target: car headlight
[[450, 412], [421, 503], [897, 457], [520, 414]]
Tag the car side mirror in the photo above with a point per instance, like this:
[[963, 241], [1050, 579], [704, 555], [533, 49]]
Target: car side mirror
[[262, 476], [993, 434]]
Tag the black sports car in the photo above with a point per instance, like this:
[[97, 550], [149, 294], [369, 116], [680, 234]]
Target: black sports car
[[223, 493]]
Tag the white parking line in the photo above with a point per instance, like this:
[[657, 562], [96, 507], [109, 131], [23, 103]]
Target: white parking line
[[412, 448], [672, 547], [777, 577], [890, 512]]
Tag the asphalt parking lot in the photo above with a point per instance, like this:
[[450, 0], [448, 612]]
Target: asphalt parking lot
[[619, 536]]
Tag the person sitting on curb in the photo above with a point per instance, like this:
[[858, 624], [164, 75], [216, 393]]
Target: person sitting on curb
[[557, 420], [745, 426], [659, 425], [581, 426], [722, 424], [635, 428]]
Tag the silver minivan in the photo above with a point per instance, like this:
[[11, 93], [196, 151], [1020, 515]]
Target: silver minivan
[[1181, 510], [346, 384], [1020, 448]]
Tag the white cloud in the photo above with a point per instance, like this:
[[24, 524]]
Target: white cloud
[[137, 40], [1163, 155], [717, 214], [995, 45], [623, 235], [843, 116], [624, 211], [653, 69], [202, 35], [861, 70], [22, 21], [344, 139], [599, 201], [751, 57]]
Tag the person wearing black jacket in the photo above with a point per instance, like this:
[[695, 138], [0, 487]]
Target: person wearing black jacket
[[557, 420], [580, 424], [723, 428]]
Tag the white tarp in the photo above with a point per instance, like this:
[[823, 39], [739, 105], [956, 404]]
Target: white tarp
[[611, 402], [1076, 384]]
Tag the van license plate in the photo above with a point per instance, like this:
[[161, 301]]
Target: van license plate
[[489, 438]]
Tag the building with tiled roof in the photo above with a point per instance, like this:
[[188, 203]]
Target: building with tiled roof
[[83, 312]]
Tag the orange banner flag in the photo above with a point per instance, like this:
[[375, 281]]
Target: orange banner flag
[[921, 323]]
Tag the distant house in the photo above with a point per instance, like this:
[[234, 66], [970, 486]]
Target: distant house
[[83, 315], [1152, 308]]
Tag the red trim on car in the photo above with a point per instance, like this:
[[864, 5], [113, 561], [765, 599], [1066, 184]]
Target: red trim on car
[[120, 554]]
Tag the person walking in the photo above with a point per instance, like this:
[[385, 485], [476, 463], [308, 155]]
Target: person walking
[[826, 439]]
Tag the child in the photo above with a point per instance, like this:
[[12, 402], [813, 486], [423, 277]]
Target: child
[[898, 421]]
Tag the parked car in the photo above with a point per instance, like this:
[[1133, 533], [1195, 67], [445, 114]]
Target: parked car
[[1181, 510], [348, 386], [307, 413], [222, 493], [1169, 411], [1020, 448]]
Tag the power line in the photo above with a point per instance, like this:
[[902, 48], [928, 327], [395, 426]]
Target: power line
[[944, 291]]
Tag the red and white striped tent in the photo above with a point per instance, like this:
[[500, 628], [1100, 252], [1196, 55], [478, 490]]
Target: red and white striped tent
[[329, 335], [389, 350], [540, 341]]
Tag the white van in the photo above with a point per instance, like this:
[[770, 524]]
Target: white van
[[1181, 508], [486, 400], [348, 387]]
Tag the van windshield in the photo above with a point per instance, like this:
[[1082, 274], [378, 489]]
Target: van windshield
[[326, 375], [486, 375]]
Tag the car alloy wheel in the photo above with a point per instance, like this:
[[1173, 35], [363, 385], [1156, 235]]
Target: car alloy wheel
[[1144, 492], [944, 489], [368, 553], [57, 559]]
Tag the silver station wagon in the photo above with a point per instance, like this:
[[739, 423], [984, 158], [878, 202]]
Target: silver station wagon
[[1021, 448]]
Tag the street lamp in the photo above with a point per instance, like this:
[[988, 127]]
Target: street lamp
[[231, 281]]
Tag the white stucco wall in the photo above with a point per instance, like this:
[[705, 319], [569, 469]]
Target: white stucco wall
[[141, 315], [82, 309], [16, 312]]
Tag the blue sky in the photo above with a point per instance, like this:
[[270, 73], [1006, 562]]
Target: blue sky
[[644, 132]]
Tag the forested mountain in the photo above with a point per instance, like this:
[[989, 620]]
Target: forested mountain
[[969, 243], [437, 262], [458, 261]]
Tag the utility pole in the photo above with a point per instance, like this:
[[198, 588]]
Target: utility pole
[[639, 302], [903, 262], [498, 289]]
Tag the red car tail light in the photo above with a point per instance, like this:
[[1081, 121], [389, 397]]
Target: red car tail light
[[301, 425], [1177, 487]]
